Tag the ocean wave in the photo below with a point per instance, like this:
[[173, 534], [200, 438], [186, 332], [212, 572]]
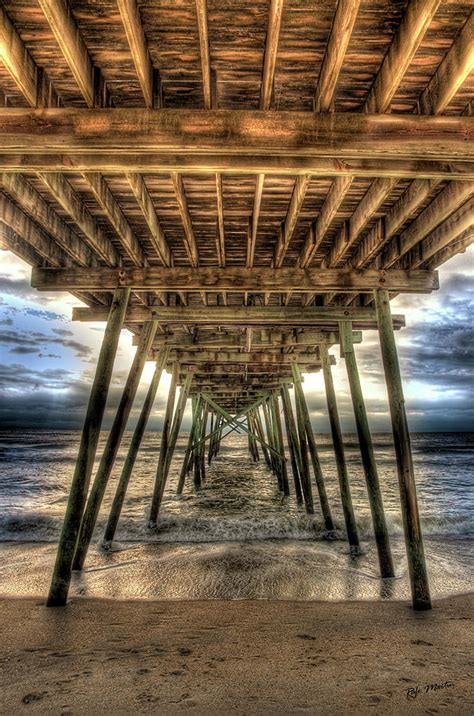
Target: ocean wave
[[42, 527]]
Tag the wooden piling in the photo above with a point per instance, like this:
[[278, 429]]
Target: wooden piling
[[303, 453], [165, 436], [406, 476], [61, 577], [367, 453], [291, 437], [112, 445], [279, 441], [313, 451], [129, 463], [196, 400], [346, 499], [258, 428]]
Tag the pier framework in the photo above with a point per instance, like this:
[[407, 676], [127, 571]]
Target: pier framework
[[242, 189]]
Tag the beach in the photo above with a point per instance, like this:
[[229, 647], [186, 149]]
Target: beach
[[238, 657]]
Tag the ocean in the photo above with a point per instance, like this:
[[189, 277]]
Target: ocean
[[238, 538]]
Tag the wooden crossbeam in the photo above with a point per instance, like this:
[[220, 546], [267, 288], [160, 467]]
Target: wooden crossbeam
[[288, 226], [189, 239], [454, 226], [341, 31], [234, 279], [271, 49], [202, 21], [253, 226], [137, 41], [230, 340], [456, 66], [17, 60], [221, 357], [220, 234], [362, 317], [145, 203], [71, 44], [227, 133], [406, 41]]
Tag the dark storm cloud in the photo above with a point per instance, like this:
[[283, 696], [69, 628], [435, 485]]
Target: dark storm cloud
[[36, 341], [6, 322], [22, 350]]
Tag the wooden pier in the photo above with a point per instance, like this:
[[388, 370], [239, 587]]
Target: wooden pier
[[243, 187]]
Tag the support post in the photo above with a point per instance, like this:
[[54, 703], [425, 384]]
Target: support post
[[406, 475], [187, 456], [279, 442], [165, 436], [61, 578], [346, 499], [367, 453], [313, 451], [292, 439], [303, 453], [112, 445], [129, 463]]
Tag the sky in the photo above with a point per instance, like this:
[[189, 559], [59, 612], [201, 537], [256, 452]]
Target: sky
[[47, 361]]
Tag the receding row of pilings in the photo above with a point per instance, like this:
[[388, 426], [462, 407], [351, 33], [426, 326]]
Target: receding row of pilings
[[262, 421]]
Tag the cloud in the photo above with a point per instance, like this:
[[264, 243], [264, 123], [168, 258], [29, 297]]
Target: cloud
[[38, 340]]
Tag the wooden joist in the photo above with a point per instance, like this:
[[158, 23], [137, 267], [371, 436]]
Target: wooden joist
[[220, 233], [288, 226], [407, 39], [123, 132], [71, 44], [241, 315], [17, 60], [235, 340], [145, 203], [271, 49], [456, 225], [135, 34], [341, 31], [189, 240], [201, 13], [256, 280]]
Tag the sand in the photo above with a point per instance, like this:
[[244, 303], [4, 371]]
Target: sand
[[235, 657]]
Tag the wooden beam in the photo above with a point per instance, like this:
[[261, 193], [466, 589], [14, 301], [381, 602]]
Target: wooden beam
[[289, 224], [232, 132], [220, 234], [454, 226], [341, 31], [145, 203], [137, 41], [458, 246], [253, 228], [453, 196], [71, 44], [407, 39], [233, 279], [271, 49], [220, 357], [240, 315], [201, 12], [454, 69], [114, 214], [67, 198], [235, 340], [189, 240], [17, 60]]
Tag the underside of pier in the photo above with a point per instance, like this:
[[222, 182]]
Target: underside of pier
[[242, 186]]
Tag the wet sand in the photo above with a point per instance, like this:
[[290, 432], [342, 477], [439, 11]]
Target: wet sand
[[237, 657]]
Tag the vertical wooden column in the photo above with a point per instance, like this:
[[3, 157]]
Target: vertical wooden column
[[192, 436], [165, 436], [258, 428], [61, 578], [292, 439], [112, 445], [279, 440], [346, 499], [367, 453], [269, 431], [129, 463], [406, 476], [200, 452], [303, 453], [313, 451]]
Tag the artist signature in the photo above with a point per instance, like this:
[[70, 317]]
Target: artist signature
[[413, 692]]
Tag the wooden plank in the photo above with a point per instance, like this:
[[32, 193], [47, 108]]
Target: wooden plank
[[145, 203], [458, 246], [454, 226], [137, 41], [291, 219], [271, 49], [202, 21], [454, 69], [189, 240], [233, 279], [341, 31], [71, 44], [453, 196], [220, 357], [231, 132], [17, 60], [240, 315], [406, 41], [229, 340], [113, 212], [252, 238], [66, 197]]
